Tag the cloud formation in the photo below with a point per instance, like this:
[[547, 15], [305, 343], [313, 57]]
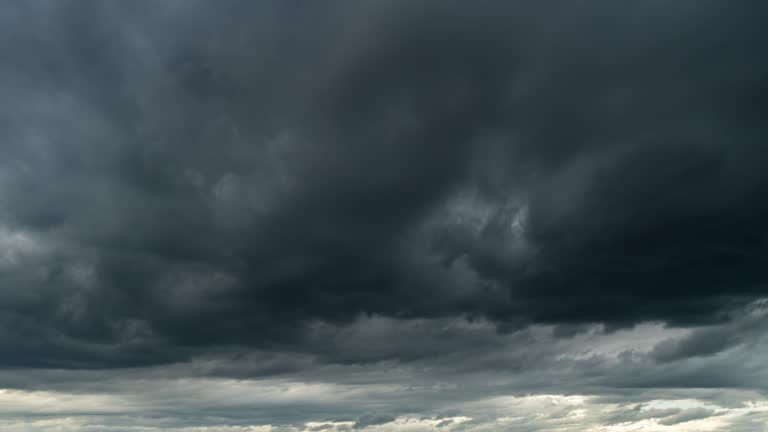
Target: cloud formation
[[526, 193]]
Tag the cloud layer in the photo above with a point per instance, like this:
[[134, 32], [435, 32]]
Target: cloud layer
[[437, 189]]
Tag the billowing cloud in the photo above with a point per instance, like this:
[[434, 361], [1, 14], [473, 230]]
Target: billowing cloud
[[553, 197]]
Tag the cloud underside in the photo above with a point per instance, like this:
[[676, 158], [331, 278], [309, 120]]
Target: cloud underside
[[185, 175]]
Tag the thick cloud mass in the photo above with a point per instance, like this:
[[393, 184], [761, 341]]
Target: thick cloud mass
[[383, 215]]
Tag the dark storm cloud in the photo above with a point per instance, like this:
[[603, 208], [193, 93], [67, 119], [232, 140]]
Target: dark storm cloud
[[180, 175]]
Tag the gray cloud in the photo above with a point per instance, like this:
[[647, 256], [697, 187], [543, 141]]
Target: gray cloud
[[749, 326], [507, 162], [501, 200], [372, 420], [687, 415]]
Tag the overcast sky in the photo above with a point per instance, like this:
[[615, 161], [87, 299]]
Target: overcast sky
[[383, 215]]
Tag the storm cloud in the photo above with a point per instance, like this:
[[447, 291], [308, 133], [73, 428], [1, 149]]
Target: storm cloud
[[527, 193]]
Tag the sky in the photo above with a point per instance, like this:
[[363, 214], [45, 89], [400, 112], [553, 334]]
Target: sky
[[383, 215]]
